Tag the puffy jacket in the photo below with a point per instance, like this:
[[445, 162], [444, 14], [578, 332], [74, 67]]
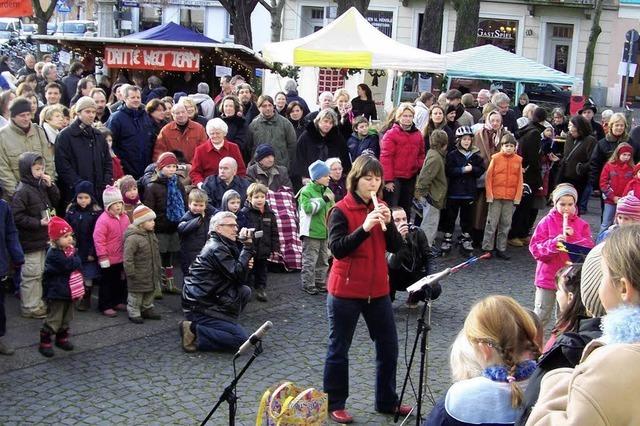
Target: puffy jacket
[[633, 185], [313, 146], [402, 153], [432, 180], [171, 138], [82, 153], [83, 222], [155, 197], [266, 222], [574, 165], [108, 237], [614, 179], [57, 269], [504, 178], [141, 259], [462, 186], [529, 143], [31, 199], [358, 145], [314, 202], [207, 159], [193, 231], [274, 178], [238, 133], [216, 187], [601, 154], [544, 246], [10, 247], [276, 131], [213, 284], [133, 139], [13, 142], [205, 104]]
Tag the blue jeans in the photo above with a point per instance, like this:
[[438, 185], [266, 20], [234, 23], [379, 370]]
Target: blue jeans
[[608, 215], [583, 197], [214, 334], [343, 317]]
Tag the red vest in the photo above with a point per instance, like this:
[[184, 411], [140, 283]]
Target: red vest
[[362, 274]]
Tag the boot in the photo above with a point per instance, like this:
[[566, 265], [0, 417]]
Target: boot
[[447, 242], [466, 244], [45, 347], [150, 314], [84, 304], [170, 281], [62, 340]]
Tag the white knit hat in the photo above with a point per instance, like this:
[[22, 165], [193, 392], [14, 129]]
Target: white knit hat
[[142, 214]]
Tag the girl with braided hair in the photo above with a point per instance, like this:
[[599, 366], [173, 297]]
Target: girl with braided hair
[[503, 336]]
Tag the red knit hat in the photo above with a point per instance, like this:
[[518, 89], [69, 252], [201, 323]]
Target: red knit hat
[[166, 159], [58, 227], [626, 148], [636, 169]]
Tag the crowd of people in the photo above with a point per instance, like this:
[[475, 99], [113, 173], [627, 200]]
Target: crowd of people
[[114, 186]]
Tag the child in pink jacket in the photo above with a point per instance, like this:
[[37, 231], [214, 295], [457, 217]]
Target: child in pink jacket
[[108, 237], [544, 246]]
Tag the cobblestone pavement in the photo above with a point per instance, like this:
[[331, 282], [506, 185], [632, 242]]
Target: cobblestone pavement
[[121, 373]]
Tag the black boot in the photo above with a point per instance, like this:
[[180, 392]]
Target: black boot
[[62, 340], [45, 343]]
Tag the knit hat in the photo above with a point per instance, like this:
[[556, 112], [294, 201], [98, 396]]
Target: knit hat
[[85, 187], [636, 169], [629, 205], [262, 151], [110, 196], [84, 103], [142, 214], [318, 169], [166, 159], [19, 105], [590, 282], [626, 148], [58, 227], [562, 190], [126, 183]]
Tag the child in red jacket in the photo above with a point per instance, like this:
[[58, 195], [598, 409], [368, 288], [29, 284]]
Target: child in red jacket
[[615, 176], [634, 183]]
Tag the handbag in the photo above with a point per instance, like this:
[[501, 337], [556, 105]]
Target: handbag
[[286, 404]]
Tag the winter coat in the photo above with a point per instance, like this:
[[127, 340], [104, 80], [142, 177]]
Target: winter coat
[[13, 142], [509, 121], [155, 197], [31, 199], [171, 138], [70, 85], [338, 187], [108, 237], [133, 139], [599, 390], [544, 246], [634, 140], [82, 153], [10, 248], [293, 96], [238, 133], [462, 186], [357, 146], [504, 179], [529, 145], [601, 153], [412, 262], [402, 153], [266, 222], [633, 185], [207, 159], [215, 189], [205, 104], [249, 112], [574, 166], [366, 108], [487, 142], [274, 178], [299, 126], [432, 180], [83, 222], [614, 179], [313, 146], [57, 270], [193, 231], [276, 131], [314, 203], [155, 93], [141, 259], [215, 280], [51, 133]]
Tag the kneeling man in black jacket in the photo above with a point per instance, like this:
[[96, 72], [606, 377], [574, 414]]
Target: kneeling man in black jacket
[[214, 294]]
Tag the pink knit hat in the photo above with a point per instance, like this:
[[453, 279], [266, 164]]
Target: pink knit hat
[[629, 205]]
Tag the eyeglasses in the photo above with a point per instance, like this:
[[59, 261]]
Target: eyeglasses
[[229, 224]]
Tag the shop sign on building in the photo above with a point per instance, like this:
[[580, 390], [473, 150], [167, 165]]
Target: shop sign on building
[[498, 32], [152, 58]]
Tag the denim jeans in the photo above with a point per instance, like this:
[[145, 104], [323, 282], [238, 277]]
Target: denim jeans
[[608, 214], [343, 317], [213, 334]]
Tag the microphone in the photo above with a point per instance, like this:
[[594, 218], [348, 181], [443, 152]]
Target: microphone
[[253, 339], [429, 280]]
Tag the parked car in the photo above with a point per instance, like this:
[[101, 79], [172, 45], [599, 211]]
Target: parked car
[[9, 28], [77, 28]]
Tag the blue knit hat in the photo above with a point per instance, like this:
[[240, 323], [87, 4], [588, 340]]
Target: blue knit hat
[[85, 187], [262, 151], [318, 169]]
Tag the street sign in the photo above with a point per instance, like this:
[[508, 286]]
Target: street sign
[[62, 7], [632, 37], [130, 3]]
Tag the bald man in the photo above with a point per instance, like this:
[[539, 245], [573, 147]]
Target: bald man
[[226, 179], [181, 134]]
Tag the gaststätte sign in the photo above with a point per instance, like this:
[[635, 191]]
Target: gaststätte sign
[[152, 58]]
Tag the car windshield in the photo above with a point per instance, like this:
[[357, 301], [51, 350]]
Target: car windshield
[[73, 28], [28, 27], [4, 26]]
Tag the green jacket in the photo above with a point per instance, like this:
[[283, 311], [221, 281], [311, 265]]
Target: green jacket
[[277, 132], [432, 180], [314, 210]]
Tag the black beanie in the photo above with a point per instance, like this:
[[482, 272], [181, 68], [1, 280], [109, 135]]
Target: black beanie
[[20, 105]]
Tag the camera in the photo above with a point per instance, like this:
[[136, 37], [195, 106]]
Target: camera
[[251, 234]]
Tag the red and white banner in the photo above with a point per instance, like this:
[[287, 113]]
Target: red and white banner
[[16, 8], [152, 58]]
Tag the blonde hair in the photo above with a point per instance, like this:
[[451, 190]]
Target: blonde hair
[[502, 324], [463, 360], [405, 106], [339, 94], [620, 253], [256, 188], [618, 117], [48, 111], [197, 195]]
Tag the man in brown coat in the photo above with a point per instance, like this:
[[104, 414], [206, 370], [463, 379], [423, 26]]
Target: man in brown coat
[[181, 134]]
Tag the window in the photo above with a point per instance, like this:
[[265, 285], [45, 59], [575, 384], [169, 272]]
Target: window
[[317, 13], [498, 32], [563, 31]]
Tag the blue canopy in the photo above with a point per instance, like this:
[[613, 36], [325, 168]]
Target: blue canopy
[[171, 32]]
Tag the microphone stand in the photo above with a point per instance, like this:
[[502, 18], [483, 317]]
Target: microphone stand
[[229, 393]]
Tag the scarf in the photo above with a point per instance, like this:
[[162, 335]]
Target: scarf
[[175, 203], [621, 325], [131, 201], [499, 373]]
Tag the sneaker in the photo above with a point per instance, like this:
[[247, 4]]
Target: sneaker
[[188, 339], [515, 242], [445, 247], [37, 314], [109, 313], [136, 320], [5, 348], [309, 290], [467, 243], [261, 295], [341, 416]]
